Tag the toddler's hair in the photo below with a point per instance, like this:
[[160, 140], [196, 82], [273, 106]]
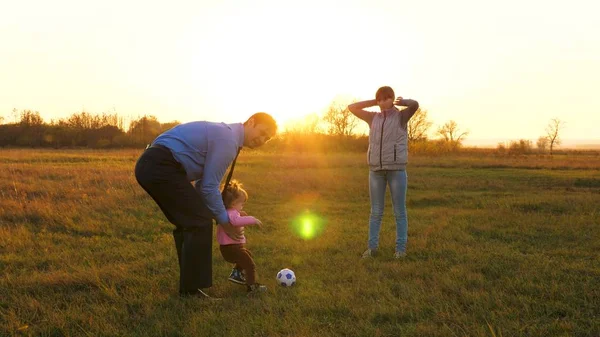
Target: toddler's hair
[[233, 191]]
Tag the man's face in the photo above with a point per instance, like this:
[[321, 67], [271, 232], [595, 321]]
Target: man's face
[[257, 135]]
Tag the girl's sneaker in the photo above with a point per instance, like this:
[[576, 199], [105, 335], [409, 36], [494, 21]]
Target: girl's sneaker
[[399, 255], [369, 253], [236, 276]]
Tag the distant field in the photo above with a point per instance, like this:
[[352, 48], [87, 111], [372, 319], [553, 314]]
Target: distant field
[[566, 144], [498, 246]]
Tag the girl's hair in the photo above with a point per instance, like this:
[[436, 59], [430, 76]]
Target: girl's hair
[[233, 191], [384, 93]]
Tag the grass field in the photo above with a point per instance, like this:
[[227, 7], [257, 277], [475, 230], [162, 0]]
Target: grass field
[[498, 246]]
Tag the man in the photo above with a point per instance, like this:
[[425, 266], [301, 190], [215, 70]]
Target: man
[[197, 151]]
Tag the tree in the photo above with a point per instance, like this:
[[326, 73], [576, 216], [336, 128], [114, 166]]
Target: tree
[[552, 131], [451, 133], [144, 130], [341, 122], [542, 144], [31, 129], [1, 120], [31, 118], [418, 126], [166, 126]]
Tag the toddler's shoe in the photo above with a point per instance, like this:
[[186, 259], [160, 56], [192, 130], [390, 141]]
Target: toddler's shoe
[[236, 276], [399, 255]]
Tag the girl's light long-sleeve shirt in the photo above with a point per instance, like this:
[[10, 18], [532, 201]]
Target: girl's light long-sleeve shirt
[[236, 220]]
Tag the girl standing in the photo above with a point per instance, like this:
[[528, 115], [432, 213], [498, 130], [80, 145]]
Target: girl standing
[[387, 157]]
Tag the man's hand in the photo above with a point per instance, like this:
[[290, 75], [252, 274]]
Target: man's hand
[[233, 232], [398, 99]]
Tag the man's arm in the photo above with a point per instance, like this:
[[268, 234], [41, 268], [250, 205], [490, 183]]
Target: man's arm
[[220, 154], [358, 110]]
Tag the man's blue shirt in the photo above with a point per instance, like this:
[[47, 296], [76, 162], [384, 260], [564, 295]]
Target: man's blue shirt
[[205, 150]]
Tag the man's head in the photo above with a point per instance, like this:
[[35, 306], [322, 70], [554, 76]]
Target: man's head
[[385, 97], [258, 129]]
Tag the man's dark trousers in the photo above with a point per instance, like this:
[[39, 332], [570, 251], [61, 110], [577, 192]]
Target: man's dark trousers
[[166, 182]]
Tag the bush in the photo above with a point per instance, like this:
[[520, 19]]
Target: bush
[[102, 143], [521, 146]]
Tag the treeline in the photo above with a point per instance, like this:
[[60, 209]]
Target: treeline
[[334, 132], [107, 131], [81, 130], [324, 142]]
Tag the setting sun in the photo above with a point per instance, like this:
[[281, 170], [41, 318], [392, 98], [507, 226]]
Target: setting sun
[[222, 61]]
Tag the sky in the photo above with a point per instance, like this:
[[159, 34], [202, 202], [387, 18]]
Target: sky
[[502, 70]]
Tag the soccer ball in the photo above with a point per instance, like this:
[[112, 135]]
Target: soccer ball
[[286, 277]]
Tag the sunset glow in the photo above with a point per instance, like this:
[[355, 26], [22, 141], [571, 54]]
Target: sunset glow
[[500, 70]]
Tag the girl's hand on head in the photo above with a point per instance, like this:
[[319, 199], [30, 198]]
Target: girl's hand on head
[[397, 101]]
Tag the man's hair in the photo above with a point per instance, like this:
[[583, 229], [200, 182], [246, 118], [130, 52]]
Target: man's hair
[[233, 191], [264, 119], [384, 93]]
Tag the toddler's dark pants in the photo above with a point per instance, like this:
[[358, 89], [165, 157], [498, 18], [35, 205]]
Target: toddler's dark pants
[[242, 258]]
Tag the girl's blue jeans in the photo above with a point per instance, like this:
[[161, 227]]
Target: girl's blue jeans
[[397, 180]]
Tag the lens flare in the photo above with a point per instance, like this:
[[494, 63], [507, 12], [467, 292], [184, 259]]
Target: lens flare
[[308, 230], [308, 225]]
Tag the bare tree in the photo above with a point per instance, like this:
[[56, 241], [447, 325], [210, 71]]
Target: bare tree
[[418, 126], [552, 130], [340, 120], [451, 133], [1, 119]]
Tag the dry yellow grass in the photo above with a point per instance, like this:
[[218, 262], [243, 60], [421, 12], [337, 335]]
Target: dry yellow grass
[[497, 247]]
